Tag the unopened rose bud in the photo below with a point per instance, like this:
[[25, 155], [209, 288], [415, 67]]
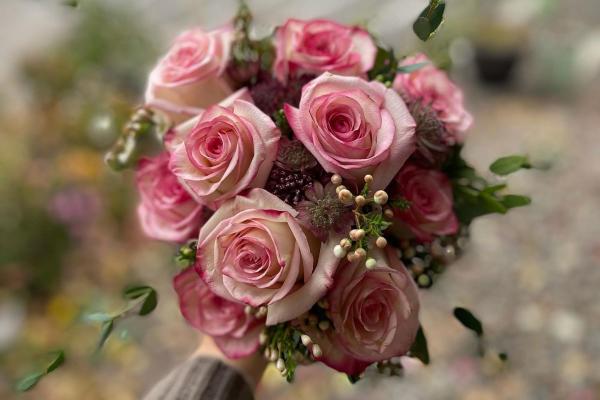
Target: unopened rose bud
[[351, 256], [380, 197], [360, 200], [339, 189], [274, 355], [346, 244], [357, 234], [262, 338], [316, 351], [280, 365], [388, 213], [371, 263], [381, 242], [306, 340], [339, 251], [345, 196], [336, 179], [368, 179], [360, 253], [262, 311]]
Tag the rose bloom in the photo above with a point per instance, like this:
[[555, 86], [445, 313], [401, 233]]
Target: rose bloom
[[254, 250], [320, 45], [234, 332], [429, 193], [190, 76], [432, 86], [375, 314], [354, 127], [223, 151], [166, 211]]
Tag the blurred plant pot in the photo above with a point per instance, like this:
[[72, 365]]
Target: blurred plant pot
[[498, 50], [496, 66]]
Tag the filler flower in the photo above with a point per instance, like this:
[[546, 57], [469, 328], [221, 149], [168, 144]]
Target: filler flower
[[322, 45], [190, 76]]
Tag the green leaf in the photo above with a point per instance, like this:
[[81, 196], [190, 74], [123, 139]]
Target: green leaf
[[407, 69], [149, 303], [430, 19], [494, 189], [97, 317], [468, 320], [135, 292], [71, 3], [58, 360], [107, 328], [28, 382], [507, 165], [419, 348], [492, 203], [514, 200], [422, 28]]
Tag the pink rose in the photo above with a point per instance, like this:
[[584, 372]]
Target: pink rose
[[320, 45], [223, 151], [429, 193], [254, 250], [434, 88], [190, 76], [234, 332], [166, 211], [375, 314], [354, 127]]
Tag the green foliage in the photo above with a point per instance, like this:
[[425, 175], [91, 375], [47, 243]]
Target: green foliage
[[142, 300], [186, 255], [507, 165], [407, 69], [286, 339], [385, 66], [468, 320], [29, 381], [419, 348], [474, 196], [430, 19], [282, 123]]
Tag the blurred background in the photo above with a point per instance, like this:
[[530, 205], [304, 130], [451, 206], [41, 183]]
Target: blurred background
[[69, 240]]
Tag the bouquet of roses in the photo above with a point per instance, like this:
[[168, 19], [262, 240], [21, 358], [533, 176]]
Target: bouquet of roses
[[314, 182]]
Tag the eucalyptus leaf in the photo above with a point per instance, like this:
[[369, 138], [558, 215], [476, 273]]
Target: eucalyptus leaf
[[514, 200], [507, 165], [58, 360], [97, 317], [107, 328], [149, 303], [135, 292], [422, 28], [419, 348], [29, 381], [492, 203], [468, 320], [407, 69]]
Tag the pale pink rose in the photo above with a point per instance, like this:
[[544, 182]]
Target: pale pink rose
[[223, 151], [432, 86], [321, 45], [375, 314], [354, 127], [254, 250], [166, 211], [190, 76], [429, 193], [234, 332]]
